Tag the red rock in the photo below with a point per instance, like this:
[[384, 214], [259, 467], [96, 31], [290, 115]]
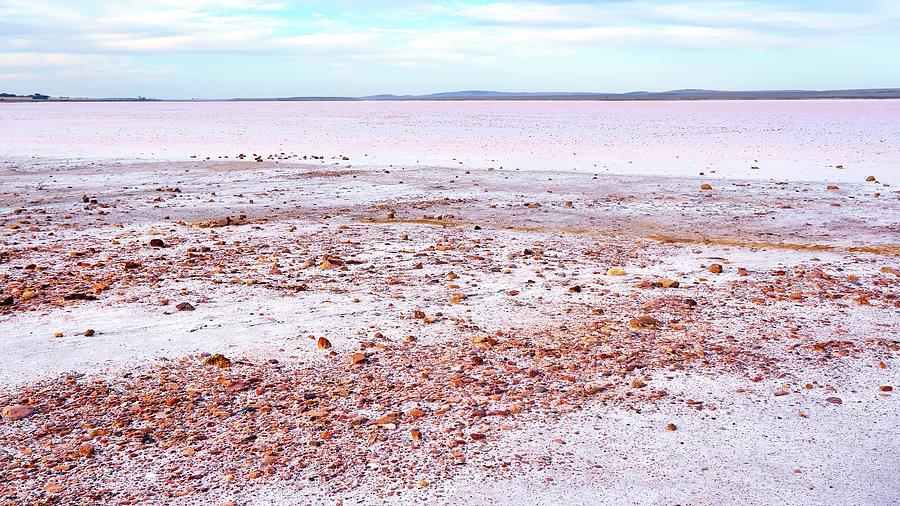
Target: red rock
[[886, 388], [834, 400], [715, 268], [357, 359], [324, 343], [89, 332], [648, 320], [17, 412], [53, 488], [387, 419], [218, 360]]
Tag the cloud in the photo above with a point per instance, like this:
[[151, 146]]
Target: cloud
[[107, 36]]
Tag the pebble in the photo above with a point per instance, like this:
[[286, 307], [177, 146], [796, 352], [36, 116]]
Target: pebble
[[218, 360], [17, 412]]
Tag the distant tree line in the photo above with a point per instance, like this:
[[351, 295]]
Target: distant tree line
[[35, 96]]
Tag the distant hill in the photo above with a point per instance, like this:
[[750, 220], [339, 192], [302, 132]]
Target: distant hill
[[687, 94]]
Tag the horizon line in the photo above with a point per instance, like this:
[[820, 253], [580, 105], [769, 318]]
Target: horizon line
[[468, 95]]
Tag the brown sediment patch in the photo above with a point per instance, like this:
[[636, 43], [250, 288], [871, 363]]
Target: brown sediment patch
[[726, 241], [323, 173], [420, 221], [885, 249]]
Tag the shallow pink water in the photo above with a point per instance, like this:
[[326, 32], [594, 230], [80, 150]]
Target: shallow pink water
[[786, 139]]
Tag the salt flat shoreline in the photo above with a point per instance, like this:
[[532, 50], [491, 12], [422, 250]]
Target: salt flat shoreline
[[490, 318]]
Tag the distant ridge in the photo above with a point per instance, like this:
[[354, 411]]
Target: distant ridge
[[684, 94]]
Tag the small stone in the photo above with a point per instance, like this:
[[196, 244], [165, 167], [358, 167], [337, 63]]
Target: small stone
[[418, 314], [834, 400], [648, 320], [715, 268], [668, 283], [218, 360], [671, 426], [185, 306], [890, 270], [615, 271], [870, 178], [388, 419], [324, 343], [416, 413], [85, 450], [157, 243], [53, 488], [638, 384], [831, 187], [705, 187], [416, 434], [357, 359], [89, 332], [17, 412], [575, 289], [886, 388], [28, 294]]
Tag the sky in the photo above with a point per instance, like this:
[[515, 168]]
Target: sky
[[269, 48]]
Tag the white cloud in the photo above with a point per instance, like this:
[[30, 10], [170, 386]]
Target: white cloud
[[106, 34], [41, 60]]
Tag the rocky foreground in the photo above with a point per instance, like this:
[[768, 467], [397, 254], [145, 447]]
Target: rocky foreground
[[255, 332]]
